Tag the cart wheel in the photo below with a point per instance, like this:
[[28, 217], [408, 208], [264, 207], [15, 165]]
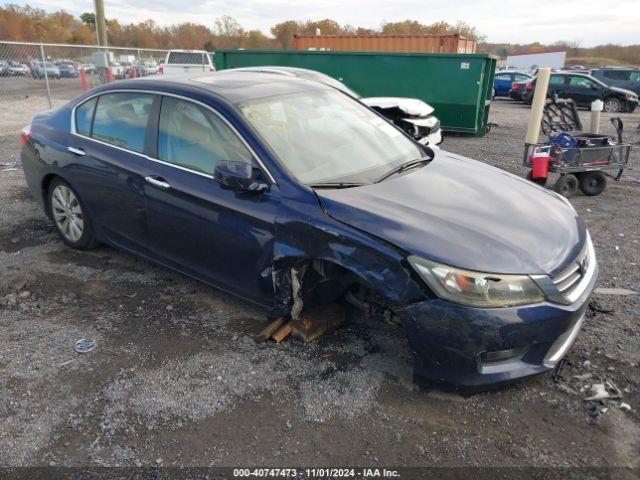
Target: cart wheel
[[593, 183], [540, 181], [567, 185]]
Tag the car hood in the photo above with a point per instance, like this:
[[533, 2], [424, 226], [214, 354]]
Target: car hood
[[411, 106], [623, 91], [467, 214]]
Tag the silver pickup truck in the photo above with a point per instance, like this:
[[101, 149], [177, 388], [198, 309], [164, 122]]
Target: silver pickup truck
[[179, 62]]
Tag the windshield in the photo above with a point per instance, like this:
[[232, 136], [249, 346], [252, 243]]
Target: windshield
[[327, 137]]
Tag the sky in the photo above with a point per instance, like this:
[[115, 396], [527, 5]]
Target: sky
[[591, 22]]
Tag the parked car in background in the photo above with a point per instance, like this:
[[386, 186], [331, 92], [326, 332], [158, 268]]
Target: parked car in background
[[627, 78], [289, 193], [517, 90], [413, 116], [38, 70], [151, 68], [17, 69], [117, 70], [68, 71], [584, 89], [186, 61], [4, 68], [503, 80], [127, 66], [144, 69], [88, 67]]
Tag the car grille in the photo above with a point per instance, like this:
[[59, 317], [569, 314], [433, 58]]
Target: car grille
[[568, 279]]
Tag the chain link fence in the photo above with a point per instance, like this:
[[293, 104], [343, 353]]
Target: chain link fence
[[38, 76]]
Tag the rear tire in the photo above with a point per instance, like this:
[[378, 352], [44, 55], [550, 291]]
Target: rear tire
[[593, 183], [70, 216], [567, 185], [539, 181]]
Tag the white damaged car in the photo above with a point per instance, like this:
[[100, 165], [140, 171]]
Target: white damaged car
[[412, 115]]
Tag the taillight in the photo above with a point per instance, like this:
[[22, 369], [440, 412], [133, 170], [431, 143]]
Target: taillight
[[25, 135], [514, 86], [160, 70], [529, 87]]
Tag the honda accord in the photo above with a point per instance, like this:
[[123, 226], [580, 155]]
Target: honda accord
[[289, 193]]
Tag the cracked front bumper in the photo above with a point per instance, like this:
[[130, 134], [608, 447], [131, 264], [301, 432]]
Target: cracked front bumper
[[433, 138], [475, 347]]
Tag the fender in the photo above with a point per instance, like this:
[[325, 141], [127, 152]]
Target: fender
[[377, 264]]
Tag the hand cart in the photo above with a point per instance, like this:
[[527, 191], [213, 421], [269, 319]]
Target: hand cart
[[581, 159]]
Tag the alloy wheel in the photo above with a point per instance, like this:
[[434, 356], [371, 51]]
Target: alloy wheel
[[67, 213], [612, 105]]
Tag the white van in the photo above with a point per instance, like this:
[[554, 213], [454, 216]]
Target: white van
[[186, 61]]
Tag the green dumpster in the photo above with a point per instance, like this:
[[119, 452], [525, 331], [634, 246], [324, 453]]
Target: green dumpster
[[458, 86]]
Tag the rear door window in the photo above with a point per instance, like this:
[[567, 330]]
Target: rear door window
[[121, 119], [193, 137], [583, 82], [84, 116]]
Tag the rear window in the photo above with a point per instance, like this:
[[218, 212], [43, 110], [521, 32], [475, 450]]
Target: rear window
[[188, 58], [84, 115], [121, 119], [623, 75]]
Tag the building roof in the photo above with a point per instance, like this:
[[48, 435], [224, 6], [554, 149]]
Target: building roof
[[518, 54]]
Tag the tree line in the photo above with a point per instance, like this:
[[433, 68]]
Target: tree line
[[25, 23]]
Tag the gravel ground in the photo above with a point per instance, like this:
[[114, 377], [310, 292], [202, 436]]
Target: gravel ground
[[176, 378]]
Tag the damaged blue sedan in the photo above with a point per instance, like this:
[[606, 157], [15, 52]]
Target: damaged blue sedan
[[289, 194]]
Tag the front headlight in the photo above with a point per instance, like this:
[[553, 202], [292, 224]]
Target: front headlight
[[476, 289]]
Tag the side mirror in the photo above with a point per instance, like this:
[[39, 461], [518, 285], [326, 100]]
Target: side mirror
[[240, 176]]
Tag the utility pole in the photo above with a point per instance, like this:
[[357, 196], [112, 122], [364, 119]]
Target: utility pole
[[101, 27]]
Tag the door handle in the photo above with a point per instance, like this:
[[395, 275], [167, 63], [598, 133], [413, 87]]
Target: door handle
[[77, 151], [158, 182]]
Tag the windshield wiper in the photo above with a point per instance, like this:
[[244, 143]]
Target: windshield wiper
[[336, 185], [403, 167]]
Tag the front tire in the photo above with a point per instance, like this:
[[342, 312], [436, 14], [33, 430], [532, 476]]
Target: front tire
[[593, 183], [567, 185], [612, 105], [70, 216]]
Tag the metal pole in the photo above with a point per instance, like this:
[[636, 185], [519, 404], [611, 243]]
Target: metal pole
[[101, 27], [46, 77], [537, 105]]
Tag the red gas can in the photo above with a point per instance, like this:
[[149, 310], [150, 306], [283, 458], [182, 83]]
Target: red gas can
[[540, 164]]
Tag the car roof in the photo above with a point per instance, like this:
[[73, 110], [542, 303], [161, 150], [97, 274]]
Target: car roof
[[305, 73], [523, 72], [233, 86]]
